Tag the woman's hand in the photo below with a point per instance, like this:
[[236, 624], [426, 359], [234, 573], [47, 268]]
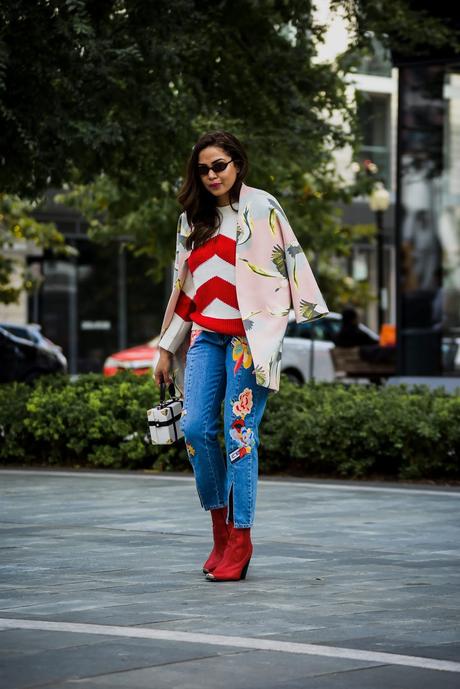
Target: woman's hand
[[163, 367]]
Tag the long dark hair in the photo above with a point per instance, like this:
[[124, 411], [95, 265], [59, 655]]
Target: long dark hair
[[199, 204]]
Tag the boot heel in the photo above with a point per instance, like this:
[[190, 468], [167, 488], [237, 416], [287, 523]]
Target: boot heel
[[245, 569], [238, 550]]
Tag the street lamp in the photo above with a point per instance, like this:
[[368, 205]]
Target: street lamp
[[379, 201]]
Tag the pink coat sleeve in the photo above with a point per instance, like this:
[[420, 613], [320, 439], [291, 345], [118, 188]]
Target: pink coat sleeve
[[307, 301]]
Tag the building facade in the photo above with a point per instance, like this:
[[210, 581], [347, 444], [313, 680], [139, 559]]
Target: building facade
[[428, 218], [93, 304]]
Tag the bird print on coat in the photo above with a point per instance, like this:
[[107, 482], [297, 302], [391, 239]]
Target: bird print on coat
[[272, 274]]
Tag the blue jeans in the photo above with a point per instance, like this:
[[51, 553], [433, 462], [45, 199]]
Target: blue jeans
[[219, 368]]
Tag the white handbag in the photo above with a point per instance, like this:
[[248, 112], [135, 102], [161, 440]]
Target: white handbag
[[164, 418]]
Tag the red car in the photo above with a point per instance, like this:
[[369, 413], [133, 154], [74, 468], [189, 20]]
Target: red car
[[138, 359]]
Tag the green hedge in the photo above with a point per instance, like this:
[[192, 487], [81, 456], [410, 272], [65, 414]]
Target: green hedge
[[316, 429], [94, 421]]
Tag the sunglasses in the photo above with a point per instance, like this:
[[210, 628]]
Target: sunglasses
[[215, 167]]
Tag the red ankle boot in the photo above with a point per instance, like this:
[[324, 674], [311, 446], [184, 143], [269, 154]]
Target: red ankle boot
[[235, 562], [221, 532]]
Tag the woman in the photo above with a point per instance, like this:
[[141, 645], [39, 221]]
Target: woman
[[238, 267]]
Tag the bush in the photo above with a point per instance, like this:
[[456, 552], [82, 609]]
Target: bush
[[94, 421], [320, 428], [356, 431]]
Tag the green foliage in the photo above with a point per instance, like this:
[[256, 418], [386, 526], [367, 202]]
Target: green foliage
[[316, 429], [289, 133], [358, 431], [110, 110], [108, 107], [18, 226], [93, 421], [407, 27], [123, 87]]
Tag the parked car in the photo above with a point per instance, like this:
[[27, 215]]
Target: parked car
[[138, 359], [297, 356], [26, 358], [307, 347], [450, 351], [33, 332]]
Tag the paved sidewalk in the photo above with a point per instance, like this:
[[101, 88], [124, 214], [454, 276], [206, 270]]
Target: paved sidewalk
[[349, 587]]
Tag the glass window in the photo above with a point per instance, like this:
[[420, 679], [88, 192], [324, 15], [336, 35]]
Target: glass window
[[335, 326], [291, 329], [319, 328], [92, 311], [374, 122], [54, 300], [378, 60], [17, 331], [446, 301], [430, 219]]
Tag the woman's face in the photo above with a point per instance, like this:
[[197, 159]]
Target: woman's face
[[218, 183]]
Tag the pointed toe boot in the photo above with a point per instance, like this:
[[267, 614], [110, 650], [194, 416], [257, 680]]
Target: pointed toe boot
[[235, 562], [221, 532]]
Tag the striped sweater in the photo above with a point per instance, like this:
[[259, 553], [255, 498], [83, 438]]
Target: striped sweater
[[207, 300]]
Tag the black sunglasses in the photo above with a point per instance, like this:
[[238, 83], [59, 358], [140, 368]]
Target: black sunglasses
[[215, 167]]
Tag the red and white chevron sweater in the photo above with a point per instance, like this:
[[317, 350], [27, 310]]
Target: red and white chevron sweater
[[207, 300]]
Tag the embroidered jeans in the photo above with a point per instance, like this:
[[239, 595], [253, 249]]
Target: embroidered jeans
[[219, 368]]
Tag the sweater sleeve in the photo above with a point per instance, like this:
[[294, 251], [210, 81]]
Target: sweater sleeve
[[181, 322]]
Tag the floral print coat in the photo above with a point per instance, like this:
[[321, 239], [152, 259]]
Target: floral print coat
[[272, 272]]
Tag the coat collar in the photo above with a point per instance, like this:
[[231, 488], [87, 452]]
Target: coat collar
[[246, 192]]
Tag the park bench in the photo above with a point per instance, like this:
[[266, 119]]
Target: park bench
[[348, 364]]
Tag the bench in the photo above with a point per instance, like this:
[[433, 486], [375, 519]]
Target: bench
[[348, 364]]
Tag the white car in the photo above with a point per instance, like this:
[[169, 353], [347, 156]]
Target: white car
[[307, 347], [302, 354]]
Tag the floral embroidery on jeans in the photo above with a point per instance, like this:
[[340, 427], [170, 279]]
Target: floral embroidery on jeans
[[243, 405], [242, 435], [241, 353], [190, 449]]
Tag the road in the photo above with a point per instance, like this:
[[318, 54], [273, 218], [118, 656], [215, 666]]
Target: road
[[351, 585]]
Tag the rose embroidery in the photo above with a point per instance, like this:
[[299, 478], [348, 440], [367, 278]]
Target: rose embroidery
[[243, 405], [236, 431], [244, 437]]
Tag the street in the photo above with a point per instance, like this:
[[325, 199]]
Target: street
[[350, 585]]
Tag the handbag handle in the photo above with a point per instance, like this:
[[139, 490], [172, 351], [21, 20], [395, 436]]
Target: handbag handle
[[171, 390]]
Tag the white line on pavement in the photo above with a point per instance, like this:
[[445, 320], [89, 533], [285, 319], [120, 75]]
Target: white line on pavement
[[234, 641], [266, 482]]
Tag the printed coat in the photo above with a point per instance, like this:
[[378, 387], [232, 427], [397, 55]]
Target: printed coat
[[272, 272]]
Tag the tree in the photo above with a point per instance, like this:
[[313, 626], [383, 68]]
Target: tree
[[112, 101], [409, 28]]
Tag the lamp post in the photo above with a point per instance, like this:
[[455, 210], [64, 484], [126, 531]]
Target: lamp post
[[379, 201]]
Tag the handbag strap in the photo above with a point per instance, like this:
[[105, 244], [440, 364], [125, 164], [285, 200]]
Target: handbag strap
[[176, 437], [173, 376], [177, 386], [171, 390]]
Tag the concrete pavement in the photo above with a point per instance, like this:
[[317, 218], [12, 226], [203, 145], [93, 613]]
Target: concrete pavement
[[349, 586]]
